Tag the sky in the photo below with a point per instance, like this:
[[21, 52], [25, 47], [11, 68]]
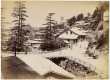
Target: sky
[[38, 10]]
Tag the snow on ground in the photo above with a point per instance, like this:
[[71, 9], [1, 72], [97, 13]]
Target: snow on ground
[[37, 59], [77, 52]]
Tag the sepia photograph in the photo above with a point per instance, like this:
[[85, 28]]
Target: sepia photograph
[[54, 39]]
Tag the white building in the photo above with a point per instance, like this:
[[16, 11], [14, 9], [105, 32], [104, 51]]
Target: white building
[[35, 43], [69, 37], [73, 35]]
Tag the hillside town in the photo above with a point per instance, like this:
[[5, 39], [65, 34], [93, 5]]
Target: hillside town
[[70, 49]]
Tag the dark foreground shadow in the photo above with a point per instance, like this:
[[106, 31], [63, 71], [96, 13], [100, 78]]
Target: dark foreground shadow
[[54, 75], [13, 68]]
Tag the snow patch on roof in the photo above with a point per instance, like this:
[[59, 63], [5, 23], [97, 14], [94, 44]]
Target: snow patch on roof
[[68, 36], [43, 66], [78, 31], [80, 22], [34, 41]]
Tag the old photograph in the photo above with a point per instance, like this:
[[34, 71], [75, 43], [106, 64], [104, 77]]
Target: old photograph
[[54, 39]]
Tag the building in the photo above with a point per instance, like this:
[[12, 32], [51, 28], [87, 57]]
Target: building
[[40, 32], [35, 43], [69, 37], [80, 32], [73, 35]]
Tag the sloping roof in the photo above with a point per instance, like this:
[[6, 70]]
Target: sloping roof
[[34, 42], [78, 31], [66, 41], [80, 22], [43, 66], [36, 39], [68, 36], [74, 28]]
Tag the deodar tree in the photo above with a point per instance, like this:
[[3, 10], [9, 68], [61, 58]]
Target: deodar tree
[[18, 37], [49, 33], [50, 41]]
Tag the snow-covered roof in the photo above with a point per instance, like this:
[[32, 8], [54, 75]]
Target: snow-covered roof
[[80, 22], [86, 24], [34, 42], [43, 66], [39, 33], [68, 36], [78, 31], [66, 41], [35, 46], [36, 39]]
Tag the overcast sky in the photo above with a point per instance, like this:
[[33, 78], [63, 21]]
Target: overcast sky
[[38, 10]]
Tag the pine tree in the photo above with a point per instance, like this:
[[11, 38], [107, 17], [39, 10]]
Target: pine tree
[[49, 33], [50, 23], [50, 41], [71, 21], [80, 17], [16, 42]]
